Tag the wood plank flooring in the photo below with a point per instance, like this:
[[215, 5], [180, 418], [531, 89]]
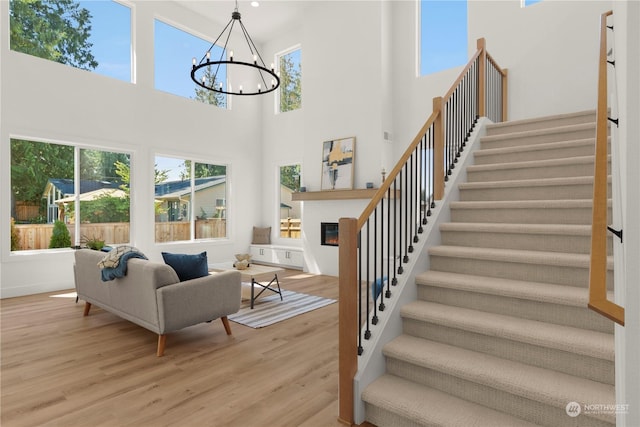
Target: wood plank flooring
[[59, 368]]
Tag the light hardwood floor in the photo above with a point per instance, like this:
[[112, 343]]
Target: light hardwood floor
[[60, 368]]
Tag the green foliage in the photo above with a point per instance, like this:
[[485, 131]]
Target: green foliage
[[60, 238], [33, 163], [15, 237], [97, 165], [290, 84], [202, 170], [57, 30], [290, 177], [94, 243], [208, 96]]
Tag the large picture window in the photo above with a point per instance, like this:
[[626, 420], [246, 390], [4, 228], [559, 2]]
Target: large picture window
[[190, 200], [174, 50], [290, 69], [443, 35], [52, 196], [90, 35]]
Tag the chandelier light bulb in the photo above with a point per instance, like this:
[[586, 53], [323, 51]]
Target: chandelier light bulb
[[255, 59], [193, 61], [230, 55], [259, 87], [208, 55]]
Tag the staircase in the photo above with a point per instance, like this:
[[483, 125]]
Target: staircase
[[500, 334]]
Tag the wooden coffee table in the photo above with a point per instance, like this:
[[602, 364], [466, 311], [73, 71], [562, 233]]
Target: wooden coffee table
[[257, 275]]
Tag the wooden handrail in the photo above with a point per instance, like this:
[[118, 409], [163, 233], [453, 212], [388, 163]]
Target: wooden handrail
[[598, 301]]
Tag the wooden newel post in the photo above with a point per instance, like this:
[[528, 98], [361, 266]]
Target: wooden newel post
[[482, 77], [438, 149], [347, 315]]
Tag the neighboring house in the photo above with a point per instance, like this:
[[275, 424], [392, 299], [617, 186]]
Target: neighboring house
[[288, 208], [174, 198], [61, 188]]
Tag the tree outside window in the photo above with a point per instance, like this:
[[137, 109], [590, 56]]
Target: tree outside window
[[290, 68], [43, 192], [90, 35]]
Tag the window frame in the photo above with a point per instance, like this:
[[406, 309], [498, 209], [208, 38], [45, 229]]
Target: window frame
[[278, 92], [192, 197], [77, 147]]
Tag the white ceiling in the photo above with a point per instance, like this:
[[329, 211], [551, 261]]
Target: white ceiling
[[271, 17]]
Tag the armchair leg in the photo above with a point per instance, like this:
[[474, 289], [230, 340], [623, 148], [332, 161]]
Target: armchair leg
[[87, 307], [162, 339], [227, 326]]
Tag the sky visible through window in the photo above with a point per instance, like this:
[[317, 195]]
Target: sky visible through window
[[443, 35], [111, 38], [174, 50]]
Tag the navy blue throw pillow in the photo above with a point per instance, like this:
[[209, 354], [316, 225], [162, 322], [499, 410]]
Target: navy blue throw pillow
[[187, 266]]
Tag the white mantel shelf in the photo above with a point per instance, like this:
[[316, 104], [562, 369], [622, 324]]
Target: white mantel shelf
[[362, 193]]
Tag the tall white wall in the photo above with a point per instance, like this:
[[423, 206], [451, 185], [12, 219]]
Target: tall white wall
[[550, 49], [45, 100], [342, 54]]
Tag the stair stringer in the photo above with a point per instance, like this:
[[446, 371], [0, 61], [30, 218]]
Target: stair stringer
[[372, 362]]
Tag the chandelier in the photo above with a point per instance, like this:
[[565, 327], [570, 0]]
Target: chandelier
[[205, 72]]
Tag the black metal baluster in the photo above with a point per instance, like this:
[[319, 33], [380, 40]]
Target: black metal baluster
[[395, 232], [389, 280], [383, 294], [360, 348], [367, 282], [374, 319]]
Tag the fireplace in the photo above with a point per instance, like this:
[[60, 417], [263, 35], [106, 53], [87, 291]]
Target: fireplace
[[329, 233]]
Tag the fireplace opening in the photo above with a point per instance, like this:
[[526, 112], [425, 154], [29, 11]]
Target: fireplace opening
[[329, 233]]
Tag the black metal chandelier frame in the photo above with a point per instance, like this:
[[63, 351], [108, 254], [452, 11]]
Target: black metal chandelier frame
[[263, 86]]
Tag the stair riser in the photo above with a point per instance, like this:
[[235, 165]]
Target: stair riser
[[578, 317], [381, 417], [560, 171], [542, 357], [513, 127], [560, 152], [532, 215], [544, 273], [516, 140], [559, 192], [580, 244], [518, 406]]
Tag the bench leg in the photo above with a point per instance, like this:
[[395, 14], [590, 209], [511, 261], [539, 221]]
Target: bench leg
[[87, 307], [162, 339], [227, 326]]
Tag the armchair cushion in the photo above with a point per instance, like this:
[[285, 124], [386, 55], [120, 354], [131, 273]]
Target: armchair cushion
[[187, 266]]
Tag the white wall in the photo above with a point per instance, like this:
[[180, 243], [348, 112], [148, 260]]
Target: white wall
[[341, 97], [550, 49], [46, 100]]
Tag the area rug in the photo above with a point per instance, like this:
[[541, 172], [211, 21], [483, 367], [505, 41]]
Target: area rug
[[269, 310]]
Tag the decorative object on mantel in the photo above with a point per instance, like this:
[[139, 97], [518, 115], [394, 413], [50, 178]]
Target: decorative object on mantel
[[266, 79], [337, 164]]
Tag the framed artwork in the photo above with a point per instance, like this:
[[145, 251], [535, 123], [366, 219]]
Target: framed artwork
[[337, 164]]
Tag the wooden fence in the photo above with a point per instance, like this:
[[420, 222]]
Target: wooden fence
[[38, 236]]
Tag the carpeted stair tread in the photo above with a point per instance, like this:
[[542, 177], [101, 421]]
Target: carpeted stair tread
[[544, 182], [426, 406], [564, 161], [544, 229], [534, 147], [587, 116], [533, 291], [549, 387], [574, 340], [544, 131], [524, 204], [517, 256]]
